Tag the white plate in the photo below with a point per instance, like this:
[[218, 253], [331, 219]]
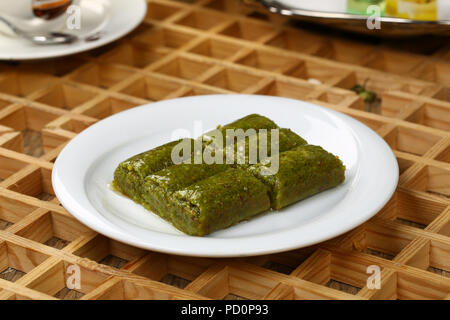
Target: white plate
[[113, 19], [85, 167]]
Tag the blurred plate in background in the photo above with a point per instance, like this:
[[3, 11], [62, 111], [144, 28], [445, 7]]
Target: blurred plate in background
[[334, 13]]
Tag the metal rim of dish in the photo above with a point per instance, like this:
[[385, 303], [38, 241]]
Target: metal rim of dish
[[275, 6]]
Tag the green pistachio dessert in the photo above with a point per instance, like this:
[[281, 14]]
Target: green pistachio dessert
[[254, 122], [199, 198], [302, 172], [230, 149], [130, 174], [218, 202], [242, 156], [159, 186]]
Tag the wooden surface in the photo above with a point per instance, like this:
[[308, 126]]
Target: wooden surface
[[217, 46]]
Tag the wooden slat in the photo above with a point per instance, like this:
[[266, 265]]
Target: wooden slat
[[205, 47]]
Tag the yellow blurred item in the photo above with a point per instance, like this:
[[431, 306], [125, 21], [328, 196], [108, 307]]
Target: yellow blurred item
[[413, 9]]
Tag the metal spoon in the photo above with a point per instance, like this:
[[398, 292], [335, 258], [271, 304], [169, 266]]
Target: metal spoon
[[43, 38]]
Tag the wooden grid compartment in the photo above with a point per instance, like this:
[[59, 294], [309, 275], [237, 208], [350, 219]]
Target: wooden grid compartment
[[412, 209], [53, 229], [287, 89], [284, 262], [410, 141], [222, 5], [202, 20], [21, 84], [199, 47], [297, 41], [378, 83], [216, 49], [313, 71], [184, 68], [10, 166], [75, 125], [109, 106], [232, 80], [265, 60], [410, 286], [4, 103], [347, 51], [332, 270], [53, 281], [432, 115], [171, 270], [434, 256], [432, 179], [134, 290], [380, 241], [28, 123], [444, 155], [228, 282], [197, 92], [109, 252], [101, 75], [416, 288], [59, 67], [134, 54], [12, 211], [247, 30], [65, 96], [160, 11], [16, 261], [163, 38], [34, 182], [393, 62], [150, 88], [434, 71], [445, 229], [394, 106]]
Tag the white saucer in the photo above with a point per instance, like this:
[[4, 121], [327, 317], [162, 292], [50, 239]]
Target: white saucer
[[111, 19]]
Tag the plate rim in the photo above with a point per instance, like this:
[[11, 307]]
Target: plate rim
[[84, 46], [279, 7], [75, 210]]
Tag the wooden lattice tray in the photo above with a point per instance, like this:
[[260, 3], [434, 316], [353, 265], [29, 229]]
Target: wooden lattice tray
[[215, 46]]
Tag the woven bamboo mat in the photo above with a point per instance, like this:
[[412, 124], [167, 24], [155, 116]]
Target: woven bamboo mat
[[215, 46]]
